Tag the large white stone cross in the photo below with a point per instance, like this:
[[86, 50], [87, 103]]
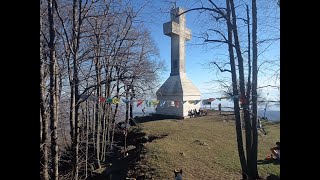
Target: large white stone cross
[[178, 32]]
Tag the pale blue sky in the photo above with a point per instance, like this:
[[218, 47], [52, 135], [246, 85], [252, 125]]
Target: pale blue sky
[[198, 56]]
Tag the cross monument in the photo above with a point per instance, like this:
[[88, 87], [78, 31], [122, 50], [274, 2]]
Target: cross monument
[[177, 87]]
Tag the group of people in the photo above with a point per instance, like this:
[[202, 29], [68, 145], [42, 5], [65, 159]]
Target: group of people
[[195, 113]]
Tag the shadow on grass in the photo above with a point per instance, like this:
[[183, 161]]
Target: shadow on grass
[[125, 166], [273, 177], [154, 117], [227, 114], [270, 161]]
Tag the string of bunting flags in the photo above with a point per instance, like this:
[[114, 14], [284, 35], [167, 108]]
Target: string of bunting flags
[[154, 102]]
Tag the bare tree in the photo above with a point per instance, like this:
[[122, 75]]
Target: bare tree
[[43, 108], [53, 93], [254, 90], [235, 93]]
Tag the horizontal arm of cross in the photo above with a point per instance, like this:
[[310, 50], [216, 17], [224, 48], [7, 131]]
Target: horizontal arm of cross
[[173, 29]]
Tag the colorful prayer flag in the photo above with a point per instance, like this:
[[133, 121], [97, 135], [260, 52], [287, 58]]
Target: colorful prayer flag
[[155, 102], [115, 100], [243, 100], [125, 100], [102, 99], [140, 101], [211, 99], [196, 101], [162, 103]]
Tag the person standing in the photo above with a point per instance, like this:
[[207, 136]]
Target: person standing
[[219, 107], [259, 127], [143, 110]]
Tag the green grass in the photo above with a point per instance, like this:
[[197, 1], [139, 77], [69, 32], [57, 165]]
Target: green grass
[[204, 147]]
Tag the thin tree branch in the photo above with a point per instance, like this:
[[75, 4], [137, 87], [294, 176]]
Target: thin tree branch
[[222, 70], [62, 22], [224, 37], [219, 9], [220, 41], [203, 8]]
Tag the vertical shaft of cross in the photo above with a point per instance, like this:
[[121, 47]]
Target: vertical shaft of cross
[[179, 34], [177, 42]]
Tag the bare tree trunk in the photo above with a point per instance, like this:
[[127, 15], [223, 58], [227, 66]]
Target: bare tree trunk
[[76, 121], [60, 84], [98, 131], [104, 127], [41, 77], [117, 95], [107, 115], [127, 103], [40, 126], [53, 96], [87, 137], [72, 110], [131, 107], [44, 129], [76, 42], [131, 100], [236, 93], [109, 119], [109, 128], [249, 57], [100, 107], [43, 122], [72, 99], [103, 124], [98, 112], [127, 118], [113, 124], [76, 128], [117, 106], [82, 123], [43, 115], [254, 89], [244, 103], [94, 126]]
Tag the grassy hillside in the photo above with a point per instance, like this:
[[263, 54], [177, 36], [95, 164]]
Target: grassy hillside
[[204, 147]]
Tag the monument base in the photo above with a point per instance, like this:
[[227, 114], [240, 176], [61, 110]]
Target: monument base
[[181, 111], [178, 88]]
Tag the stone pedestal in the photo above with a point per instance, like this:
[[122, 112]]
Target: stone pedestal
[[178, 88]]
